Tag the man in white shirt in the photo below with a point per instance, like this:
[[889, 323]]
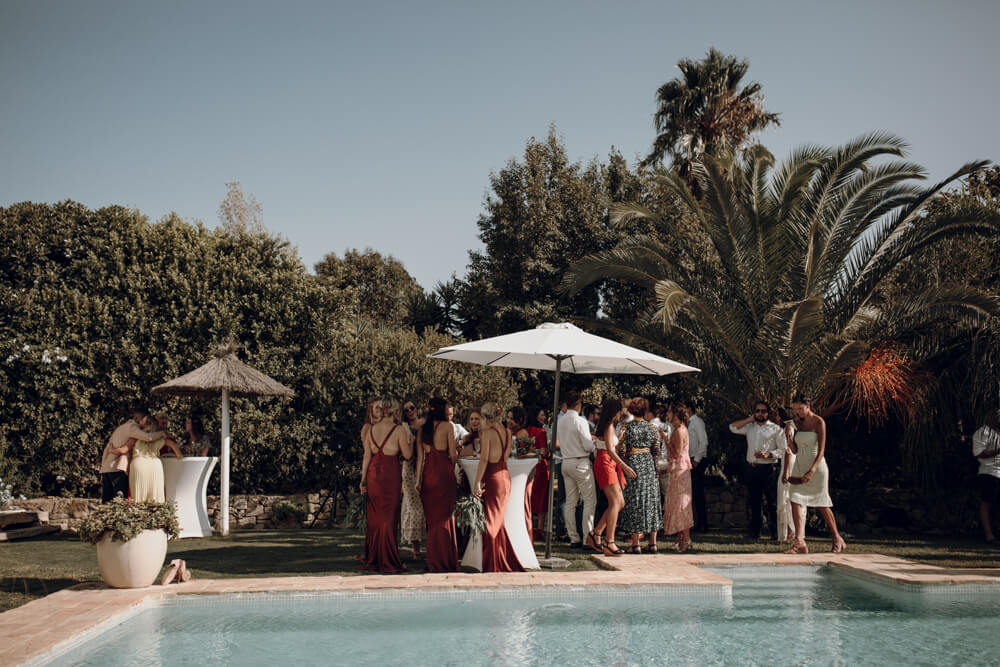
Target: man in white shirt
[[986, 448], [576, 445], [698, 438], [765, 449], [460, 432]]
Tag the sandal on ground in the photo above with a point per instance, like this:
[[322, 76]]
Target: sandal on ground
[[683, 546], [592, 542], [611, 549], [183, 574], [634, 549], [798, 549], [838, 546], [651, 548], [171, 572]]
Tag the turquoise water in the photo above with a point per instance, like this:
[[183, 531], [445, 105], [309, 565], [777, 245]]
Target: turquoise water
[[776, 616]]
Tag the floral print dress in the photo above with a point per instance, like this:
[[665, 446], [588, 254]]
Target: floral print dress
[[642, 512], [412, 524]]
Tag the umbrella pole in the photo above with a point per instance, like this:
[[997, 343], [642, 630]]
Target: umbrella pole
[[224, 490], [552, 466]]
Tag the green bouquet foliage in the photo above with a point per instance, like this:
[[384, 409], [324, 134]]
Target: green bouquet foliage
[[470, 515], [357, 513], [125, 520]]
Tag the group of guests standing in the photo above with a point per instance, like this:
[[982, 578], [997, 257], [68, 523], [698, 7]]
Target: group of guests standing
[[130, 464], [628, 442], [408, 468]]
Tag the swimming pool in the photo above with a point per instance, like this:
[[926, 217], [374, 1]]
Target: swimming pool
[[775, 615]]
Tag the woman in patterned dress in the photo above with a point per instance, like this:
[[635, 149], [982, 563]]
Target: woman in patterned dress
[[678, 515], [413, 525], [642, 512]]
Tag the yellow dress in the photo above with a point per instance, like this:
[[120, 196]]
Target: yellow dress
[[145, 475]]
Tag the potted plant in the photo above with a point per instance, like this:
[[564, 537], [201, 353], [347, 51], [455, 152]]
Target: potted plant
[[131, 540], [288, 515]]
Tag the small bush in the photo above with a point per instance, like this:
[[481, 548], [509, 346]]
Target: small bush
[[124, 520], [285, 510]]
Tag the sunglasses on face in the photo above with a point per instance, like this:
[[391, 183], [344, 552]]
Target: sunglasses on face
[[760, 412], [409, 408]]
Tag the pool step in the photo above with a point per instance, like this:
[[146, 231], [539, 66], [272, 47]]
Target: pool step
[[24, 533]]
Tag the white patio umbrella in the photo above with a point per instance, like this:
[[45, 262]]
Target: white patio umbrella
[[224, 376], [560, 347]]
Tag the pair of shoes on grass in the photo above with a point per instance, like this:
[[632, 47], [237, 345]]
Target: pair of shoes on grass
[[176, 572]]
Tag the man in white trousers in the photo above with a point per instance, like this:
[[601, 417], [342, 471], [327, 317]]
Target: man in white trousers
[[577, 445]]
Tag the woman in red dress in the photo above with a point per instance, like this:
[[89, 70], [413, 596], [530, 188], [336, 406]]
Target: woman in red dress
[[492, 484], [540, 485], [437, 487], [381, 480], [609, 474]]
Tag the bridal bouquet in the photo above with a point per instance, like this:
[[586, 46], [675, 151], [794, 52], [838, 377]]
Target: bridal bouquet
[[469, 515], [357, 513], [524, 447]]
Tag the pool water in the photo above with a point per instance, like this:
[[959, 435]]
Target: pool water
[[776, 616]]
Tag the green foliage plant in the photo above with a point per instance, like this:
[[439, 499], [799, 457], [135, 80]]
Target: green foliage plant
[[285, 510], [124, 520], [470, 515], [802, 249]]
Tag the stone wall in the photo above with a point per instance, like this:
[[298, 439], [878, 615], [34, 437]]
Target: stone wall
[[246, 512], [873, 510]]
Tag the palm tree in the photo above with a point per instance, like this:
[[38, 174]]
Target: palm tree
[[797, 254], [705, 111]]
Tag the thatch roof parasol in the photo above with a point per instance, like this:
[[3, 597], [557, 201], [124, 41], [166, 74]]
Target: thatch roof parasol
[[226, 376], [225, 371]]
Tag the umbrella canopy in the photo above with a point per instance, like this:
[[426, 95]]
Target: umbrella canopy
[[227, 372], [581, 352], [560, 347], [225, 375]]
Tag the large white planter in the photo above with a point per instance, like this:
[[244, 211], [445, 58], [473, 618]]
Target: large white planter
[[132, 564]]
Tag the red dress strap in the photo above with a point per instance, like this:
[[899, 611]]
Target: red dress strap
[[505, 446], [387, 436]]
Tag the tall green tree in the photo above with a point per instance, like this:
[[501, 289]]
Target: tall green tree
[[383, 286], [802, 250], [708, 109], [541, 213]]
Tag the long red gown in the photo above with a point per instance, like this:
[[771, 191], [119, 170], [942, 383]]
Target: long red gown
[[385, 481], [498, 552], [540, 485], [437, 493]]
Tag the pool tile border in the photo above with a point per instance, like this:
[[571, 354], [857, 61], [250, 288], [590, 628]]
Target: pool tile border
[[27, 632]]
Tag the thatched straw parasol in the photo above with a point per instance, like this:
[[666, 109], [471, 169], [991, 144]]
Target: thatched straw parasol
[[228, 376]]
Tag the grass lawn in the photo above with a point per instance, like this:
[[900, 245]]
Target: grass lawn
[[35, 568]]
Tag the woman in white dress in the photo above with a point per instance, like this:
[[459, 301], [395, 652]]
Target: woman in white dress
[[809, 477], [786, 525]]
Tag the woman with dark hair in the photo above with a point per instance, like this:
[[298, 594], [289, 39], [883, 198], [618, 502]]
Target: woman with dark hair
[[540, 484], [196, 443], [436, 485], [809, 477], [786, 525], [412, 525], [609, 474], [642, 512], [516, 423], [384, 441], [492, 484], [678, 515]]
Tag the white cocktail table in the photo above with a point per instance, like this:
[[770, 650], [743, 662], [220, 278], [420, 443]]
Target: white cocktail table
[[513, 519], [185, 481]]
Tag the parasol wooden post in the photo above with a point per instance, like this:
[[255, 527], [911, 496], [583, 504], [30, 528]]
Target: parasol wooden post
[[224, 485]]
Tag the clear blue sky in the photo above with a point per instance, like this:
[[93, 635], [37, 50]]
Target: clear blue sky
[[377, 124]]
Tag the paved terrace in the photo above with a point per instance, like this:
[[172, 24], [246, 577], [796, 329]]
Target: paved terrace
[[32, 630]]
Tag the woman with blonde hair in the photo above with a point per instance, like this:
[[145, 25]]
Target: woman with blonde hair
[[381, 479], [492, 484]]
